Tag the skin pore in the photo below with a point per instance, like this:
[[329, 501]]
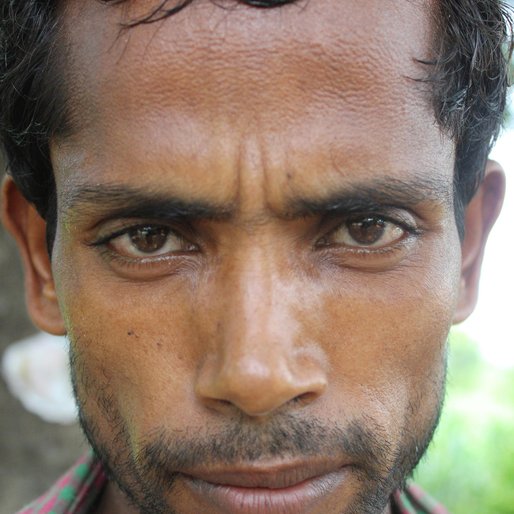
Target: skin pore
[[256, 258]]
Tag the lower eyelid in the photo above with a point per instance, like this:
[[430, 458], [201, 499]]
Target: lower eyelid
[[155, 269], [124, 261]]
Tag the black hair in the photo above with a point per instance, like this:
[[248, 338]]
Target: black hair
[[468, 78]]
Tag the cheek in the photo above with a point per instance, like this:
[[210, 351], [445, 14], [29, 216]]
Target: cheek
[[136, 345], [386, 338]]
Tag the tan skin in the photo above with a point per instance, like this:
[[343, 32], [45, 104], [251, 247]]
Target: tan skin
[[260, 312]]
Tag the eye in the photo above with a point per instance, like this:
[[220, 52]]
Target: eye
[[148, 241], [366, 232]]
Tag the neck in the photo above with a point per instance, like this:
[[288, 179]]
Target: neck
[[113, 501]]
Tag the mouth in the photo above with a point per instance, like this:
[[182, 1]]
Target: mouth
[[285, 487]]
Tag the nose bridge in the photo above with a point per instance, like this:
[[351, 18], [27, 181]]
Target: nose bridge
[[256, 319], [259, 364]]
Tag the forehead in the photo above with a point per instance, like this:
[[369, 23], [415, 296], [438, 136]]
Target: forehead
[[324, 77], [210, 44]]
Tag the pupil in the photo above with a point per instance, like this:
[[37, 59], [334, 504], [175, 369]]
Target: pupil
[[149, 239], [367, 231]]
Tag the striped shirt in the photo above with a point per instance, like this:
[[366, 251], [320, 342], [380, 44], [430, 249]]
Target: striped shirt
[[77, 491]]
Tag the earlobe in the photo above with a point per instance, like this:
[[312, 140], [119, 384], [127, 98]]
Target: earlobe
[[481, 213], [29, 230]]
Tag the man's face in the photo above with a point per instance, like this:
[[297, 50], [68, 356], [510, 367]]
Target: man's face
[[256, 256]]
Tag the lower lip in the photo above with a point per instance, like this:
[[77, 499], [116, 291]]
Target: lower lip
[[297, 499]]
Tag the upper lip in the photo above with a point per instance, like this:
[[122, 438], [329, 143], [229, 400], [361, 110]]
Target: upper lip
[[277, 475]]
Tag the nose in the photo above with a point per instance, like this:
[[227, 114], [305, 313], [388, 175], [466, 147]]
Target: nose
[[262, 359]]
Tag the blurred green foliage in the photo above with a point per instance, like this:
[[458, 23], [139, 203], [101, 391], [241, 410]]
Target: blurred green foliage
[[470, 464]]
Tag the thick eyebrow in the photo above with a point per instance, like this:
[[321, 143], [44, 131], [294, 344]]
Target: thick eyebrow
[[117, 201], [367, 197]]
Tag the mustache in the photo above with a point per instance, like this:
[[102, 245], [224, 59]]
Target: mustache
[[362, 443]]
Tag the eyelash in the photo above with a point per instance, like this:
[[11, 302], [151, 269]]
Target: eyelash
[[137, 263], [411, 231]]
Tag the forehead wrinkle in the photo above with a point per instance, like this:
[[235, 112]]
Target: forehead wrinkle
[[269, 55]]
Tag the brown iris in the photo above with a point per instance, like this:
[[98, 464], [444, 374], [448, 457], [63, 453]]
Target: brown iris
[[149, 239], [366, 231]]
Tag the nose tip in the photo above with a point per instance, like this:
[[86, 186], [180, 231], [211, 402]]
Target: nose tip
[[258, 390], [261, 355]]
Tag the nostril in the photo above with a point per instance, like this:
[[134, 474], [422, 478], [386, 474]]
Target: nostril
[[220, 402], [259, 383], [305, 398]]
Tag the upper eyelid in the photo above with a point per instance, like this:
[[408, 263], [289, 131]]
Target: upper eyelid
[[340, 221], [102, 240], [390, 213], [373, 210]]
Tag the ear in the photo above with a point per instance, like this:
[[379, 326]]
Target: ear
[[29, 230], [481, 213]]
